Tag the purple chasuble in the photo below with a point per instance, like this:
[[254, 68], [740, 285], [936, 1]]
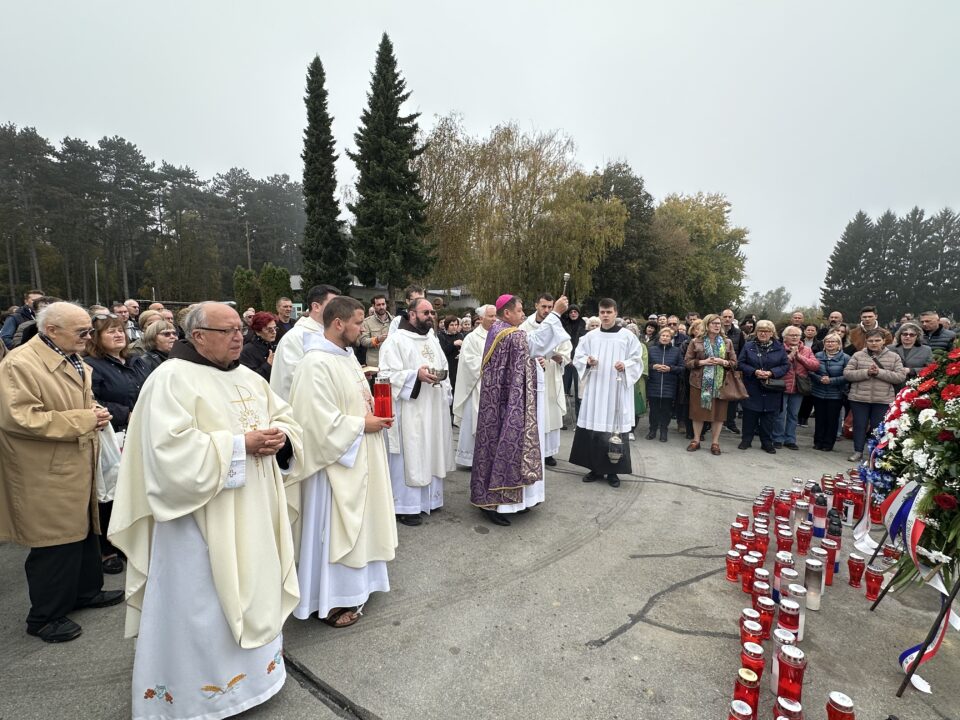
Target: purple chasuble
[[506, 457]]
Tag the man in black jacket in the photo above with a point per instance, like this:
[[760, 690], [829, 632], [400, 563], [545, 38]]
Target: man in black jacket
[[937, 337], [25, 313]]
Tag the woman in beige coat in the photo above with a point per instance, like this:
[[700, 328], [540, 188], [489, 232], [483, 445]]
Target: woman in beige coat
[[872, 373]]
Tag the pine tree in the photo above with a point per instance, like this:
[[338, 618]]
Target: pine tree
[[945, 231], [845, 287], [325, 247], [390, 221], [913, 260]]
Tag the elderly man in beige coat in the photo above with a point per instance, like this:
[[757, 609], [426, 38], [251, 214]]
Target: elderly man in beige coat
[[48, 455]]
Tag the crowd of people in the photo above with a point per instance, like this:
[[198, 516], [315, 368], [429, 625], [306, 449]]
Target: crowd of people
[[243, 467]]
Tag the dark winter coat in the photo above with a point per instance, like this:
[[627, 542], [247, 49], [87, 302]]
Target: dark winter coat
[[255, 353], [833, 369], [149, 361], [116, 386], [664, 385], [940, 339], [761, 398]]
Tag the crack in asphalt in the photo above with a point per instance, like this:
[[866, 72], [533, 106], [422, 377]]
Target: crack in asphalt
[[642, 616], [329, 696], [647, 479], [686, 552]]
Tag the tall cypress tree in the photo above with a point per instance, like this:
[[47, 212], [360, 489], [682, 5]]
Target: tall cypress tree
[[845, 287], [390, 224], [326, 246]]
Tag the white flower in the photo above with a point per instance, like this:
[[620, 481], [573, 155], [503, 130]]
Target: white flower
[[905, 423], [926, 416], [920, 458], [901, 481], [935, 555], [931, 522], [908, 443]]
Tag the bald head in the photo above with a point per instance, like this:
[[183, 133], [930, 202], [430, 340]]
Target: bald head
[[66, 325], [216, 331]]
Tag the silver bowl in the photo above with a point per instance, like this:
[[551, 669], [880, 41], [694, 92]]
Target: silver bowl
[[439, 373]]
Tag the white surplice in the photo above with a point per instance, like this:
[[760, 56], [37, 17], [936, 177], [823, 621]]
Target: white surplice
[[599, 383], [347, 535], [289, 353], [549, 335], [421, 433], [466, 396], [551, 400]]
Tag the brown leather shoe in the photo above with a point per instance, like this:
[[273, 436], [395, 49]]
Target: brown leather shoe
[[715, 449], [693, 446]]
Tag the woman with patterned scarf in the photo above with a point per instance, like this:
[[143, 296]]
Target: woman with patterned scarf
[[709, 356]]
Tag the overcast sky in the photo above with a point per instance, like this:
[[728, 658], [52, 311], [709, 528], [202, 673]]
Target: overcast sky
[[800, 112]]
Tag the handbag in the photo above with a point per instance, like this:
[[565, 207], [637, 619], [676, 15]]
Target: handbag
[[802, 385], [733, 387], [777, 384], [108, 466]]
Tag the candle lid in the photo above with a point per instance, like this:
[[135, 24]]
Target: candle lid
[[753, 649], [751, 560], [784, 533], [733, 554], [829, 544], [784, 557], [876, 569], [796, 590], [819, 551], [789, 705], [752, 626], [759, 586], [792, 652], [855, 557], [761, 573], [784, 637], [841, 701], [765, 601], [788, 572], [741, 708], [750, 614], [814, 564], [747, 675], [791, 606]]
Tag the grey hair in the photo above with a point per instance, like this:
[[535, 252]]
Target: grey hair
[[788, 328], [54, 313], [151, 333], [196, 318], [483, 309], [911, 326]]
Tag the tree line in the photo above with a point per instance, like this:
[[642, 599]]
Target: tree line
[[900, 264], [508, 212]]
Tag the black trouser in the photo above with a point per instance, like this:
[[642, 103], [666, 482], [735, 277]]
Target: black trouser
[[764, 421], [660, 411], [106, 512], [732, 412], [827, 421], [866, 416], [60, 577], [807, 405]]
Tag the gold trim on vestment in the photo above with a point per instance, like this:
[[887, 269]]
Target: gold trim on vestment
[[496, 341]]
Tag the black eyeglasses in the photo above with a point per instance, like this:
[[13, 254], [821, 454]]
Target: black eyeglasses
[[673, 324], [908, 334]]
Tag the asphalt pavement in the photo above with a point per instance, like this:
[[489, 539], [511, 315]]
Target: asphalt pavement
[[601, 603]]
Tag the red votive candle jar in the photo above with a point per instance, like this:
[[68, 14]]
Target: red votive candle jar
[[789, 617], [743, 518], [783, 560], [758, 507], [859, 501], [788, 709], [382, 396], [742, 549], [804, 536], [766, 607], [839, 707], [828, 567], [782, 507], [839, 494], [763, 539], [751, 657], [891, 551], [748, 539], [739, 710], [876, 517], [750, 631], [747, 688], [748, 613], [784, 541], [792, 664], [763, 574], [733, 566], [856, 565], [736, 534], [748, 566], [874, 577], [760, 589]]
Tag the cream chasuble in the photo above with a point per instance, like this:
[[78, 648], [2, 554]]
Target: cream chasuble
[[466, 396], [288, 354], [551, 400]]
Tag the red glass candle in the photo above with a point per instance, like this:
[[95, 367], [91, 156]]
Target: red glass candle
[[750, 631], [787, 708], [748, 613], [782, 507], [783, 560], [839, 707], [748, 539], [828, 566], [739, 710], [891, 551], [743, 518], [804, 536], [760, 589], [751, 657], [856, 565], [747, 689], [792, 664], [859, 501], [748, 565], [874, 579], [789, 616], [784, 541], [766, 607], [763, 539], [736, 533], [876, 517], [758, 507], [839, 494], [733, 566], [742, 549], [382, 397]]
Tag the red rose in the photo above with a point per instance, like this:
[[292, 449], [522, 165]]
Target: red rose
[[950, 392], [954, 354], [945, 436], [922, 403], [927, 385], [928, 369], [953, 369], [945, 501]]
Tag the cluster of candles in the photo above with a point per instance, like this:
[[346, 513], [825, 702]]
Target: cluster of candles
[[779, 601]]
